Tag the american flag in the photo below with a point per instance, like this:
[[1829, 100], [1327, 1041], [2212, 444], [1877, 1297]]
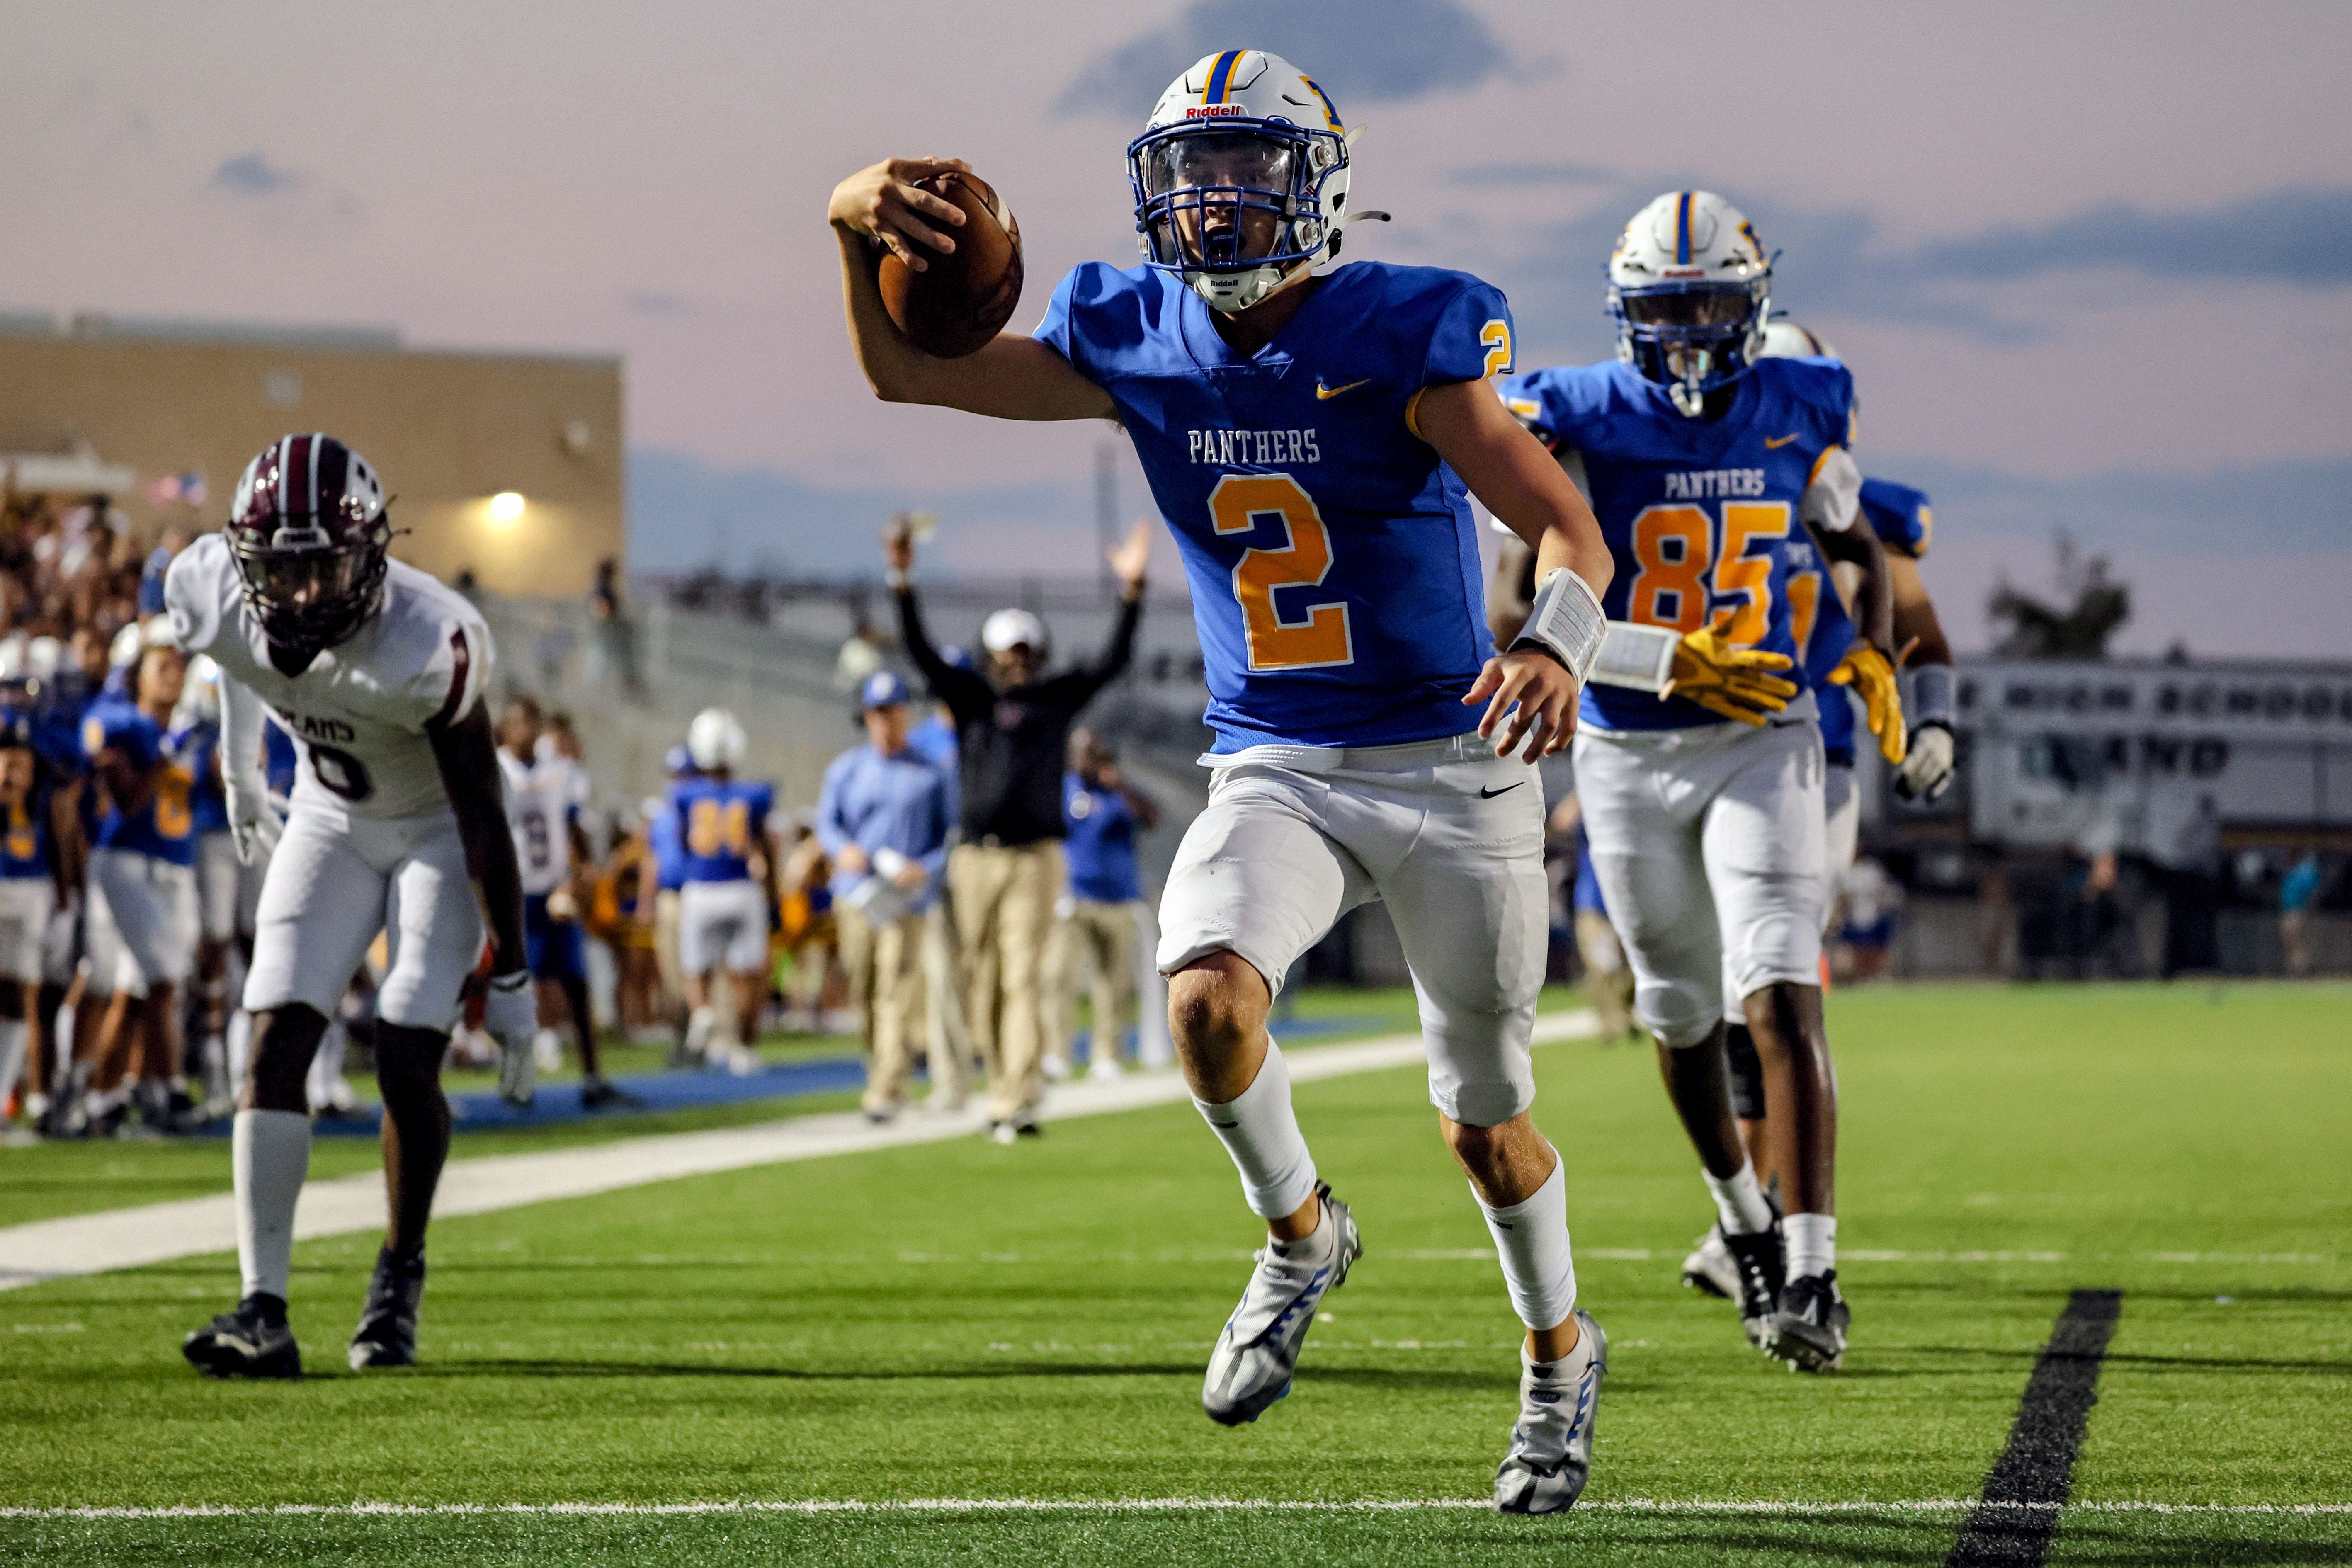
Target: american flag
[[187, 488]]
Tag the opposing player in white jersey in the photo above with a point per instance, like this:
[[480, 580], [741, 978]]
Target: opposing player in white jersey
[[542, 789], [1313, 440], [395, 825], [1709, 466]]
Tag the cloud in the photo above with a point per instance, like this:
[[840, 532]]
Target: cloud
[[253, 174], [1363, 50], [2300, 237], [1533, 173], [655, 302]]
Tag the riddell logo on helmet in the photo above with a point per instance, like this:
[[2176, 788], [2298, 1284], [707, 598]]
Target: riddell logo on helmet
[[1212, 110]]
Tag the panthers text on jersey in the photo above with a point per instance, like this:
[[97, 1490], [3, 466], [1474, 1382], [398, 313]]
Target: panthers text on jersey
[[162, 828], [540, 810], [720, 825], [360, 710], [1698, 514], [1332, 554]]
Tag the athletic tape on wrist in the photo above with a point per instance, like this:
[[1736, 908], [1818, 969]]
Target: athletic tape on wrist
[[1931, 695], [1638, 657], [1567, 618]]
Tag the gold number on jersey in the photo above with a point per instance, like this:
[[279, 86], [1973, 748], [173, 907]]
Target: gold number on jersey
[[172, 817], [1239, 504], [1675, 546], [712, 828], [1496, 335], [1804, 611]]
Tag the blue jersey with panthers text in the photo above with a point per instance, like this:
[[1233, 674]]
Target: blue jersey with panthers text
[[1899, 515], [1698, 514], [163, 826], [719, 824], [1332, 554]]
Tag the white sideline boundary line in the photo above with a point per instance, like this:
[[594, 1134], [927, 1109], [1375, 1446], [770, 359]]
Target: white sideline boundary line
[[158, 1233], [1143, 1505]]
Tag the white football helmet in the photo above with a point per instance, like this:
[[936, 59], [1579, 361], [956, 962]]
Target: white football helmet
[[1242, 136], [715, 740], [1784, 339], [1691, 289]]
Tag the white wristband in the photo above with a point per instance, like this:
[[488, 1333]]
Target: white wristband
[[1642, 658], [1567, 619]]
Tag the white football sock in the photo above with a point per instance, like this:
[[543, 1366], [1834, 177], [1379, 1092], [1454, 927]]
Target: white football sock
[[1260, 1133], [699, 1025], [1739, 1200], [1532, 1238], [14, 1032], [240, 1048], [1812, 1241], [270, 1153]]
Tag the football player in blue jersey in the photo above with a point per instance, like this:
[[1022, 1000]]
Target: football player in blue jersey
[[1699, 765], [27, 897], [1823, 631], [1312, 438], [727, 873]]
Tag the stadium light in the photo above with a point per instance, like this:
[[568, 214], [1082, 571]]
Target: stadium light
[[505, 507]]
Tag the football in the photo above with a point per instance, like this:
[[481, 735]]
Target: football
[[960, 300]]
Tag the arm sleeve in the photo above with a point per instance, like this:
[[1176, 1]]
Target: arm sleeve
[[196, 614], [965, 693], [1058, 332], [1473, 338], [935, 863], [1834, 493], [241, 735], [1086, 681]]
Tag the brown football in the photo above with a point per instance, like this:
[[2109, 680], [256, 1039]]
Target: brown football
[[960, 300]]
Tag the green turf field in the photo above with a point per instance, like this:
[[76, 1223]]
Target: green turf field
[[964, 1321]]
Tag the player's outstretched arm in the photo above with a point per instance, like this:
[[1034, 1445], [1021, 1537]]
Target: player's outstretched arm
[[1013, 377], [1512, 475]]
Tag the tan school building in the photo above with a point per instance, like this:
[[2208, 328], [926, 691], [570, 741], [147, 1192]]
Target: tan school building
[[114, 404]]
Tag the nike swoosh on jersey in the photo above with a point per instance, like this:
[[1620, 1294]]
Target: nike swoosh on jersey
[[1324, 393], [1774, 443], [1491, 794]]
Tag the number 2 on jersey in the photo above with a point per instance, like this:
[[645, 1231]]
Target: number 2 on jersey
[[1240, 503], [1675, 545]]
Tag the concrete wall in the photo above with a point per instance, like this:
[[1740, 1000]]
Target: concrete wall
[[446, 430]]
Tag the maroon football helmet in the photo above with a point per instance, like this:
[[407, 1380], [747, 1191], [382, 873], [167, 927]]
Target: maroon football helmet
[[309, 532]]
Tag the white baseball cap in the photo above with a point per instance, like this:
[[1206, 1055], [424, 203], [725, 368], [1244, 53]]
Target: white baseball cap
[[1011, 628]]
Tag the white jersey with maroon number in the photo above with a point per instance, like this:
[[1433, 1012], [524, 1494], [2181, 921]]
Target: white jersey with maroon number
[[361, 711], [539, 814]]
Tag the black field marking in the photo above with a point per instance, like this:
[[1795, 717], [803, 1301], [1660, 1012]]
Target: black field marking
[[2012, 1527]]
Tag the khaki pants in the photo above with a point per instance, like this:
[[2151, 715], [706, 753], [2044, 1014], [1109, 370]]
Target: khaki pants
[[1004, 914], [673, 978], [886, 986], [948, 1042], [1100, 938], [1607, 979]]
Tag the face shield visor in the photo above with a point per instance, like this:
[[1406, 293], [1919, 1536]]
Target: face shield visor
[[1693, 337], [1223, 196]]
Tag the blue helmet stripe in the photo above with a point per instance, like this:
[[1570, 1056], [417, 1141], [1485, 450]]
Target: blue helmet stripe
[[1682, 230], [1220, 76]]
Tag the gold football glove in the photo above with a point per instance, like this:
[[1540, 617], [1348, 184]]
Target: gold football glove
[[1866, 670], [1735, 682]]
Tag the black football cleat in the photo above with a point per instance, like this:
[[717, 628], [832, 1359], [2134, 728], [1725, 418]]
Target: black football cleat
[[387, 1332], [250, 1340], [1808, 1331]]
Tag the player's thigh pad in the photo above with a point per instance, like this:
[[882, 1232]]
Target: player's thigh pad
[[24, 906], [433, 924], [322, 904], [1470, 906], [1256, 875], [1640, 796], [1764, 841]]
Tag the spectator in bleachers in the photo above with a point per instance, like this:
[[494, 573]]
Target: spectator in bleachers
[[1101, 813], [1012, 726], [883, 818], [2298, 895], [612, 659]]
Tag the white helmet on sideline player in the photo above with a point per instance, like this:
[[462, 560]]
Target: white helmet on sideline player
[[715, 740], [1691, 288], [1241, 178], [1784, 339]]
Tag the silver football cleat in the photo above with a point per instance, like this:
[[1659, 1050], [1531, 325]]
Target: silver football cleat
[[1551, 1444], [1254, 1356]]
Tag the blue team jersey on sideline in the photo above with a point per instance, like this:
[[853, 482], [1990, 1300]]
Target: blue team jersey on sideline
[[163, 828], [1332, 557], [667, 842], [1899, 515], [1100, 843], [717, 827], [1697, 512], [24, 846], [206, 801], [279, 761]]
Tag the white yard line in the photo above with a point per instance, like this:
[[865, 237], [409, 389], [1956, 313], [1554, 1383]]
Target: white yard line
[[1141, 1505], [157, 1233]]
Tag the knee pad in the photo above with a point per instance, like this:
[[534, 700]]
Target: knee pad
[[1681, 1012]]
